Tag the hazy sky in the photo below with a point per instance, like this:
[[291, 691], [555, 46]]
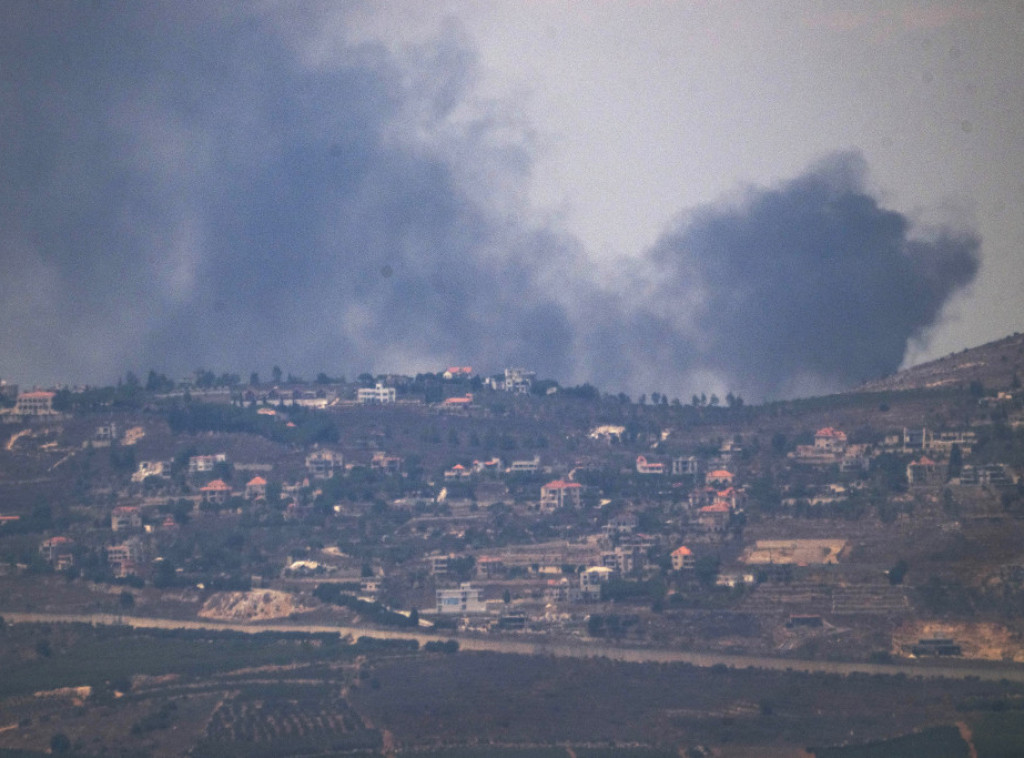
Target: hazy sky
[[773, 198]]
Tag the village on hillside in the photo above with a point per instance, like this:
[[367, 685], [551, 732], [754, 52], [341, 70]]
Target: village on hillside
[[874, 525]]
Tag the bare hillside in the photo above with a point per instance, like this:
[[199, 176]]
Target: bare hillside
[[996, 365]]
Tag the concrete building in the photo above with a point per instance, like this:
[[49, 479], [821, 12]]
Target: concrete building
[[558, 494], [35, 404], [377, 395], [465, 599]]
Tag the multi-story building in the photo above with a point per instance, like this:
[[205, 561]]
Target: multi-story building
[[683, 558], [57, 552], [321, 463], [464, 599], [643, 466], [125, 517], [377, 395], [592, 579], [203, 464], [35, 404], [558, 494], [518, 381]]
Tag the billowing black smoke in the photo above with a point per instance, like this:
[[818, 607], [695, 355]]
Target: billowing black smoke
[[182, 189], [190, 186], [806, 287]]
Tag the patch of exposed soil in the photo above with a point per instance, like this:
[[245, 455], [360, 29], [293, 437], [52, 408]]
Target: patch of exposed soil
[[256, 605]]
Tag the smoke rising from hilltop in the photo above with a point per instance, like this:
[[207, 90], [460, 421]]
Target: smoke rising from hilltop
[[192, 185], [811, 286]]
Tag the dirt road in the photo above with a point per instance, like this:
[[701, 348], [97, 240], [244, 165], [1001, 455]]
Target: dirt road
[[568, 649]]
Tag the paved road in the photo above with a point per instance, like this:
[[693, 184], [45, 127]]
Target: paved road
[[577, 649]]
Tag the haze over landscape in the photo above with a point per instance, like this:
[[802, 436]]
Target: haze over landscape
[[770, 200]]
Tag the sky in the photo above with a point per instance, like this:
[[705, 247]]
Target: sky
[[774, 199]]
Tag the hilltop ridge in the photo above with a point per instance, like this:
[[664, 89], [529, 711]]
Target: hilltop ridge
[[998, 365]]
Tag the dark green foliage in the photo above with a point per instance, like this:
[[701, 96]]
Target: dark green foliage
[[897, 572], [372, 612], [940, 742], [999, 735], [60, 744], [162, 718], [447, 646]]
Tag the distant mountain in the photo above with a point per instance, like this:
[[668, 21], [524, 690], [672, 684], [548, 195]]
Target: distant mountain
[[996, 365]]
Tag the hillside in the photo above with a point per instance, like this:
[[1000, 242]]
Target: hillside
[[996, 365]]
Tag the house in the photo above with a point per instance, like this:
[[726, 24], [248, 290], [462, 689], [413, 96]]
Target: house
[[321, 463], [829, 447], [203, 464], [35, 404], [147, 469], [105, 433], [454, 372], [492, 466], [719, 478], [133, 435], [387, 464], [216, 492], [592, 579], [525, 467], [488, 567], [620, 524], [926, 441], [830, 440], [518, 381], [923, 472], [561, 591], [735, 580], [643, 466], [625, 559], [558, 494], [377, 395], [683, 558], [607, 433], [125, 517], [256, 488], [715, 517], [689, 466], [458, 402], [464, 599], [57, 552], [457, 472], [985, 475], [124, 558]]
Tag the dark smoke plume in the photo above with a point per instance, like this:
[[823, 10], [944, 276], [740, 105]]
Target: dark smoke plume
[[185, 185], [810, 286]]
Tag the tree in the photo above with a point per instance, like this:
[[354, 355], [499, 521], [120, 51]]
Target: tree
[[956, 462], [276, 373], [897, 572], [126, 600], [60, 743], [254, 379], [706, 569]]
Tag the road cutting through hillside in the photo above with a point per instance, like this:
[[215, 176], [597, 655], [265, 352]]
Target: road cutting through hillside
[[563, 648]]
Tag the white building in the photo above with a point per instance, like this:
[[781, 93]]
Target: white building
[[518, 380], [378, 395], [558, 494], [202, 464], [464, 599], [591, 580], [35, 404], [321, 463]]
